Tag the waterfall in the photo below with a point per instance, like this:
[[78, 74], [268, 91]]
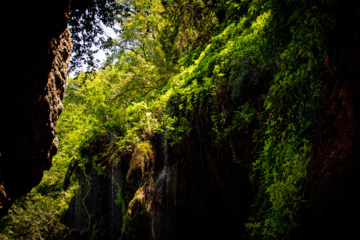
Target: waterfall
[[163, 209], [79, 209], [112, 201], [115, 209], [163, 180]]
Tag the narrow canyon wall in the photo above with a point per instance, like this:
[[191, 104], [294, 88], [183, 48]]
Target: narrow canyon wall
[[37, 46], [332, 208]]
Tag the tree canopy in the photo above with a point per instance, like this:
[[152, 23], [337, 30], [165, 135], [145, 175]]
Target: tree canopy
[[86, 20]]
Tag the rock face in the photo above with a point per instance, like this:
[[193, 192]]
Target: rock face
[[188, 191], [210, 192], [332, 209], [106, 204], [93, 213], [39, 50], [333, 180]]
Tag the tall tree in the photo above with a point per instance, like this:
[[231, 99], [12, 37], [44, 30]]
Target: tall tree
[[137, 54]]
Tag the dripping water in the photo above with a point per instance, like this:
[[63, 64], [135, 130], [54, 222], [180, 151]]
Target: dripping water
[[163, 180], [163, 212], [115, 209], [112, 199], [78, 209]]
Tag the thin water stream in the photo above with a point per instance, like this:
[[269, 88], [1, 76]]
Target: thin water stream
[[163, 221]]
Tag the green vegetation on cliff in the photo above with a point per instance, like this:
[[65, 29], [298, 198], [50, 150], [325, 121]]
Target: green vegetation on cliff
[[220, 69]]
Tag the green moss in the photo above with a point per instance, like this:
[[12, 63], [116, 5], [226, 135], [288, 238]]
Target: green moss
[[142, 157], [126, 221], [136, 204]]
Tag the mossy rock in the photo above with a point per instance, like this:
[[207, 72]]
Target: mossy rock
[[137, 203], [142, 157]]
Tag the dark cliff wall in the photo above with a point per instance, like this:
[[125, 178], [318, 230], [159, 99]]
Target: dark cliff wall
[[212, 191], [332, 209], [38, 47], [192, 190]]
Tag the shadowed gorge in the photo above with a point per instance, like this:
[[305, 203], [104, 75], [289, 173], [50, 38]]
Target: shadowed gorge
[[206, 120]]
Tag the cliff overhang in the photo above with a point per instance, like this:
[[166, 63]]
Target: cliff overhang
[[38, 53]]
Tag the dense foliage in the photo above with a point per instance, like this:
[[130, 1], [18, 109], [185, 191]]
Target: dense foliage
[[217, 68]]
